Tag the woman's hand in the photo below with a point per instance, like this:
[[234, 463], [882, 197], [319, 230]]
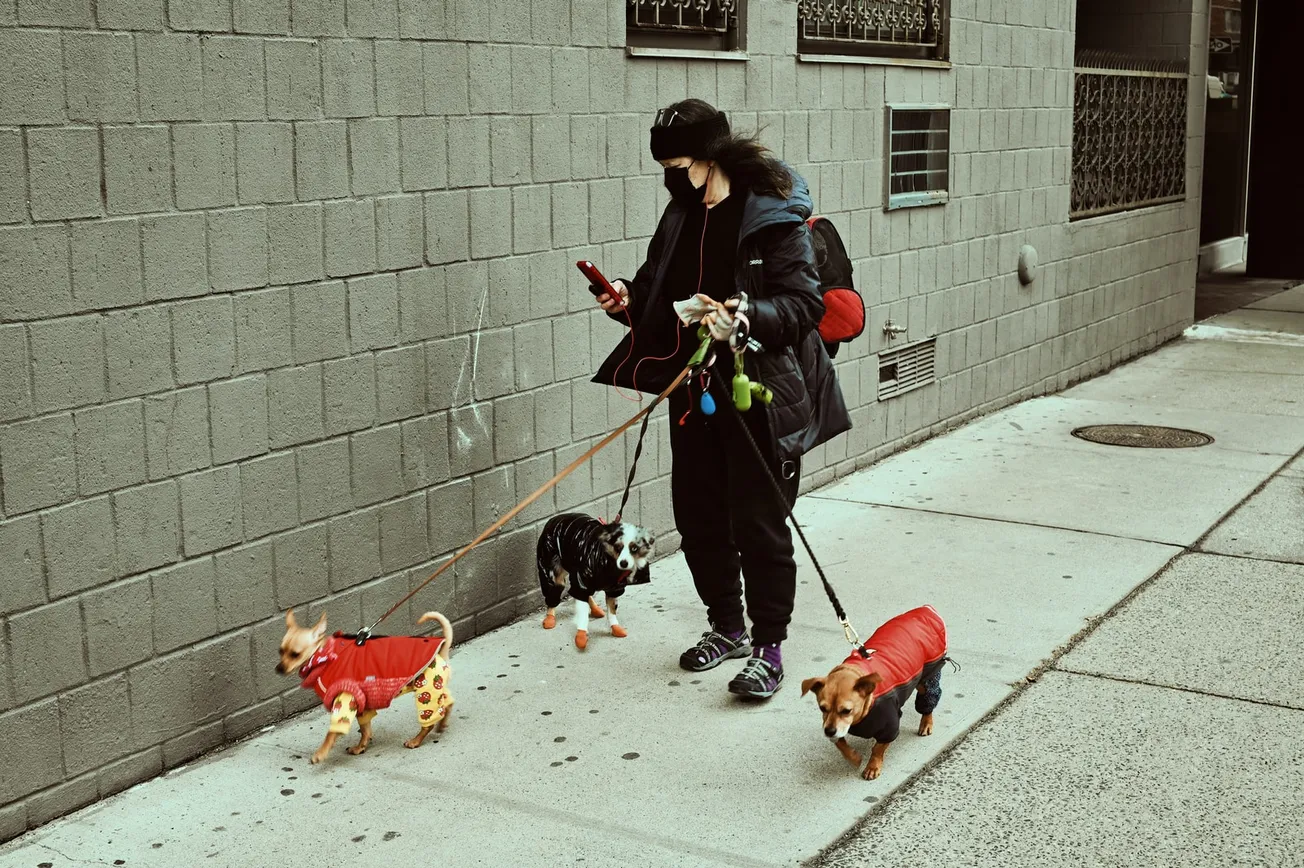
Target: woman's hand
[[720, 321], [615, 305]]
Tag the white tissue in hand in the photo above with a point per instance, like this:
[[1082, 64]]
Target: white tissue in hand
[[691, 310]]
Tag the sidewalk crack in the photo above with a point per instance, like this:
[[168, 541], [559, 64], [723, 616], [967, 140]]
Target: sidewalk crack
[[1013, 521], [1143, 682]]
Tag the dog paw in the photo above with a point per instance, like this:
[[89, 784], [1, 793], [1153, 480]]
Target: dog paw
[[925, 727], [872, 771], [318, 757], [596, 611], [581, 639], [413, 742], [549, 621], [618, 631], [357, 750]]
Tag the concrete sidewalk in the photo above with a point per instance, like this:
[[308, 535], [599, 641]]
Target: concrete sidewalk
[[1174, 733], [1021, 535]]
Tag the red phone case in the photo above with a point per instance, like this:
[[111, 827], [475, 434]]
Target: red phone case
[[597, 283]]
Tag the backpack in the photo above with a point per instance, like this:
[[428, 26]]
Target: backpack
[[844, 309]]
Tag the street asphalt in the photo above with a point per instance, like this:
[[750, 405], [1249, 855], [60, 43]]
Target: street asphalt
[[1127, 623]]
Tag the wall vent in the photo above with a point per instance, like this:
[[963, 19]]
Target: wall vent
[[907, 368]]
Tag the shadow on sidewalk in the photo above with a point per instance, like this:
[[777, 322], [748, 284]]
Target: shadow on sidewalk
[[1224, 291]]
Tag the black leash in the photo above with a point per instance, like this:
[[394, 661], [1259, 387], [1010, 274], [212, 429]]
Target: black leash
[[847, 629], [633, 467]]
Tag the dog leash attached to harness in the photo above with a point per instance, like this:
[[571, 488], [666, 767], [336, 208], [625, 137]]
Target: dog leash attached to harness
[[633, 469], [852, 637], [642, 415], [696, 361]]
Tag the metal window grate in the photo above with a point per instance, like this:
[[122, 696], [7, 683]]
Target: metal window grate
[[1129, 133], [683, 23], [919, 156], [882, 28], [906, 369]]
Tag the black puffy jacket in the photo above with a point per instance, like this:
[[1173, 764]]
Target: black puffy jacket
[[775, 267]]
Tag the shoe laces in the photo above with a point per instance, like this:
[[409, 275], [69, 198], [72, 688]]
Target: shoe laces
[[714, 641], [758, 669]]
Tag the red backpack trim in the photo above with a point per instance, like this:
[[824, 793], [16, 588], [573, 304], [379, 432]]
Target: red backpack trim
[[844, 309]]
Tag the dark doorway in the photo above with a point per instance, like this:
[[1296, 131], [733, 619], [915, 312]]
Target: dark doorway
[[1227, 127], [1274, 220]]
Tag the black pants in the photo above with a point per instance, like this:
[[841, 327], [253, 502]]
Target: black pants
[[729, 517]]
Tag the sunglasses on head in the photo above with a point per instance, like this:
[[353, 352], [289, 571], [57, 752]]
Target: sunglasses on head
[[665, 117]]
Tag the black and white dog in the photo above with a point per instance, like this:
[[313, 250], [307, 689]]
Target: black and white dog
[[579, 554]]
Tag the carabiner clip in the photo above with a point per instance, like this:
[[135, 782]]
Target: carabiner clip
[[742, 331], [850, 633]]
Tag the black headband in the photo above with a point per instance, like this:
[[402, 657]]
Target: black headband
[[687, 140]]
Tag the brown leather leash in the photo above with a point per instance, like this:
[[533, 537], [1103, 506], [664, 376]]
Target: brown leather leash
[[364, 635]]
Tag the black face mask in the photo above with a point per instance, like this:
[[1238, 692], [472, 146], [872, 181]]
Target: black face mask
[[681, 187]]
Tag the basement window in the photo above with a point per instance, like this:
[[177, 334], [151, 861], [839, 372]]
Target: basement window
[[918, 155]]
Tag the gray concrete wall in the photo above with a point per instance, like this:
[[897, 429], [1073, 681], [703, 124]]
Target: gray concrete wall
[[288, 311]]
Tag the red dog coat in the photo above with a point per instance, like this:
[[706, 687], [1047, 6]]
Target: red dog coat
[[904, 651], [373, 673]]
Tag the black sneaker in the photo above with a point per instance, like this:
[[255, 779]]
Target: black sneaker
[[760, 679], [713, 649]]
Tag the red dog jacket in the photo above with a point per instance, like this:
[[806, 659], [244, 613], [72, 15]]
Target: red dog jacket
[[904, 651], [373, 673]]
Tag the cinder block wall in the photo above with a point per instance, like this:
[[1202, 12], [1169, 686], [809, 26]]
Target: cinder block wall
[[288, 312]]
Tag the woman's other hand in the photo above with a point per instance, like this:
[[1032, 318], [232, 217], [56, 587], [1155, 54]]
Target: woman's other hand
[[720, 321], [615, 305]]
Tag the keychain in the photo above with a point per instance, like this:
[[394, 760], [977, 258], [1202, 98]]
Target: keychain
[[744, 390], [742, 386], [708, 402]]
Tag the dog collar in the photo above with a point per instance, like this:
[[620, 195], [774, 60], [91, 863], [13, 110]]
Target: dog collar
[[321, 657]]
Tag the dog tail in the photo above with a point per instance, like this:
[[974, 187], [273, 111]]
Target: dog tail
[[445, 626]]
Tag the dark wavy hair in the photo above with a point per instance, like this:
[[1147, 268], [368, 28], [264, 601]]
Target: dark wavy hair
[[744, 159]]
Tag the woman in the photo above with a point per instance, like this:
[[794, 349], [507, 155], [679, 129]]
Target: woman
[[734, 231]]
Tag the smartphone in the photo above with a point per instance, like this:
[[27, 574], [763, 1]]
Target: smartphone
[[597, 283]]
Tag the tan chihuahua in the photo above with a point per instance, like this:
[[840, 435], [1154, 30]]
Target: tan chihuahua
[[864, 694], [356, 678]]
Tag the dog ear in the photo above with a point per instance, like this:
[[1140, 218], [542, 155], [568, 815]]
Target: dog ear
[[290, 620], [866, 683], [815, 684], [319, 628]]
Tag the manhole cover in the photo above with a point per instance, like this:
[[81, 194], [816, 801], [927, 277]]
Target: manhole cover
[[1143, 436]]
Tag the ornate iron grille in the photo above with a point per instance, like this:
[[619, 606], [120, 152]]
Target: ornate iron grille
[[891, 28], [1129, 133], [682, 16]]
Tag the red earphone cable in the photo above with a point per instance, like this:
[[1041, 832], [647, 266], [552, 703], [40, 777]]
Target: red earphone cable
[[679, 330]]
